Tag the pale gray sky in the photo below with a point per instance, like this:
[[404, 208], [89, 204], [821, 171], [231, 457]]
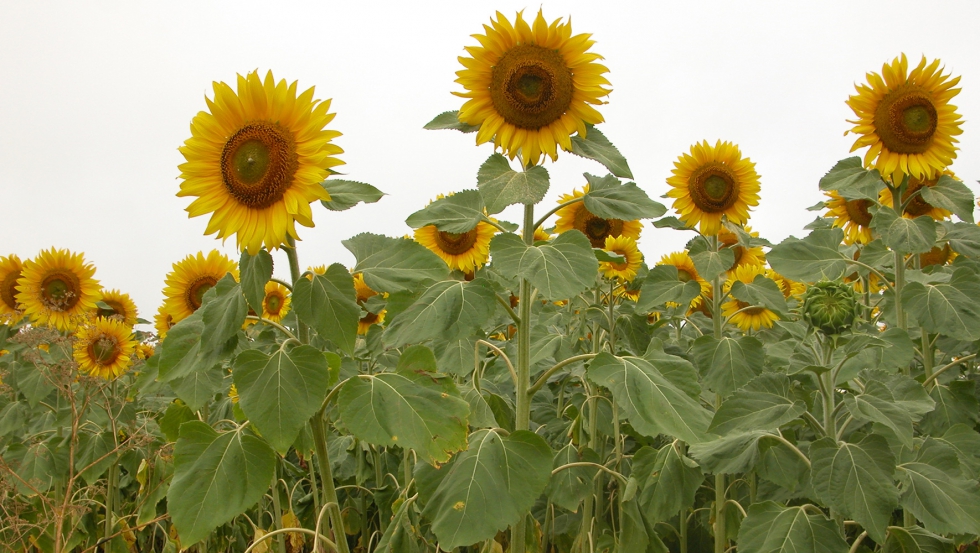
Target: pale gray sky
[[95, 98]]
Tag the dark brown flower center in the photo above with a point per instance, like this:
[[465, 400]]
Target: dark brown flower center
[[194, 296], [713, 187], [918, 206], [531, 86], [596, 229], [935, 256], [456, 244], [857, 211], [104, 350], [60, 291], [369, 319], [906, 120], [258, 164], [8, 289]]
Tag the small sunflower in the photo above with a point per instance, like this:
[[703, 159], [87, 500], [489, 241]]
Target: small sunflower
[[191, 278], [318, 270], [57, 289], [255, 162], [364, 293], [629, 290], [711, 182], [366, 321], [121, 305], [163, 321], [361, 289], [144, 351], [276, 302], [851, 215], [466, 251], [906, 120], [939, 255], [743, 315], [595, 228], [10, 270], [685, 273], [790, 288], [743, 255], [530, 87], [104, 348], [918, 206], [626, 247]]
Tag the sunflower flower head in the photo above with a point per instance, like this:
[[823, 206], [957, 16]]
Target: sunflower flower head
[[743, 255], [744, 315], [104, 348], [163, 321], [465, 251], [789, 288], [633, 259], [529, 87], [851, 215], [686, 271], [255, 160], [596, 229], [57, 289], [190, 278], [120, 305], [916, 205], [10, 269], [275, 304], [905, 119]]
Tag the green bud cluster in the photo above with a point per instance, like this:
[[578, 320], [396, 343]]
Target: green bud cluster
[[830, 306]]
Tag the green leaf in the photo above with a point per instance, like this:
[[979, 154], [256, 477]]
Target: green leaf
[[327, 303], [944, 502], [814, 258], [559, 269], [279, 393], [904, 235], [224, 315], [856, 479], [594, 145], [852, 181], [417, 359], [32, 382], [899, 351], [731, 454], [669, 479], [679, 371], [40, 468], [570, 486], [216, 478], [877, 404], [708, 263], [13, 418], [761, 291], [610, 199], [651, 402], [255, 271], [728, 364], [762, 404], [951, 309], [486, 488], [418, 410], [956, 403], [450, 120], [458, 213], [394, 264], [965, 441], [481, 416], [176, 414], [345, 194], [916, 539], [782, 466], [456, 356], [772, 528], [501, 186], [199, 387], [182, 353], [94, 449], [449, 310], [400, 536], [662, 285], [951, 195], [964, 238]]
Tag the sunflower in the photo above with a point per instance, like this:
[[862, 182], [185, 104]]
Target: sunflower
[[276, 302], [629, 290], [939, 255], [711, 182], [121, 306], [595, 228], [10, 269], [917, 207], [191, 278], [255, 162], [57, 289], [466, 251], [163, 321], [907, 120], [851, 215], [364, 293], [318, 270], [361, 289], [104, 348], [366, 321], [686, 272], [530, 86], [743, 255], [744, 315], [145, 351], [626, 247], [789, 288]]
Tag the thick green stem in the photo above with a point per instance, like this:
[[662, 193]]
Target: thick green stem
[[682, 522], [523, 399], [304, 331], [721, 543], [326, 481], [277, 511]]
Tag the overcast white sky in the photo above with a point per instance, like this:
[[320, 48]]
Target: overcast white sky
[[95, 98]]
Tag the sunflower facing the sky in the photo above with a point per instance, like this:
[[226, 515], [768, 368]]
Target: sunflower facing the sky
[[466, 251], [851, 215], [57, 289], [121, 305], [744, 315], [10, 269], [276, 302], [711, 182], [918, 206], [595, 228], [530, 87], [255, 162], [906, 120], [190, 278], [104, 348], [626, 247]]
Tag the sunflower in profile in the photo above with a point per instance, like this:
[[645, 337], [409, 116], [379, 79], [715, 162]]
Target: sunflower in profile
[[906, 120], [918, 206], [743, 255], [711, 182], [686, 272], [57, 289], [10, 269], [939, 255], [190, 278], [120, 305], [465, 251], [851, 215], [530, 87], [318, 270], [743, 315], [255, 162], [276, 302], [104, 348], [595, 228], [363, 293], [789, 288], [145, 351], [626, 247], [163, 321]]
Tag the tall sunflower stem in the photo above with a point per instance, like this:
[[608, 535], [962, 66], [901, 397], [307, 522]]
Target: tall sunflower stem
[[302, 329], [721, 487], [523, 400]]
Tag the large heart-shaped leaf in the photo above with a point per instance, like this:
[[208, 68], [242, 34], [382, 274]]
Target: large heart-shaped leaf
[[951, 309], [905, 235], [255, 271], [326, 303], [852, 181], [728, 364], [814, 258], [951, 195], [772, 528], [457, 213], [345, 194], [662, 285], [932, 490], [559, 269], [763, 404], [595, 145], [502, 186], [449, 310], [394, 264], [224, 314], [610, 199], [668, 479]]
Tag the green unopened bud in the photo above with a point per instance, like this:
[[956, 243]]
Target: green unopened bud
[[831, 307]]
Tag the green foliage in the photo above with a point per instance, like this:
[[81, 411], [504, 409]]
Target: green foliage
[[450, 309], [255, 271], [595, 145], [327, 303], [501, 186], [457, 213], [772, 528], [345, 194], [852, 181], [450, 120], [559, 269]]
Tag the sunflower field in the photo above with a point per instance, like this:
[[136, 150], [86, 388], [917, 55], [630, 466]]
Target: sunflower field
[[481, 385]]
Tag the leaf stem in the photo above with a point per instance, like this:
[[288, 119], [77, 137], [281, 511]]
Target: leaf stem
[[945, 368], [500, 352], [543, 379], [618, 476]]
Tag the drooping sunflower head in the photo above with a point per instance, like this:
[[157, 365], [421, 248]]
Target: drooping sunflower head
[[745, 315], [466, 251], [104, 348], [789, 288], [530, 87], [362, 291], [57, 289], [10, 269], [365, 322], [743, 255], [831, 307], [851, 215], [917, 206], [190, 278], [595, 228], [905, 119], [939, 255], [256, 160], [711, 182], [686, 271], [120, 305], [626, 247], [276, 302]]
